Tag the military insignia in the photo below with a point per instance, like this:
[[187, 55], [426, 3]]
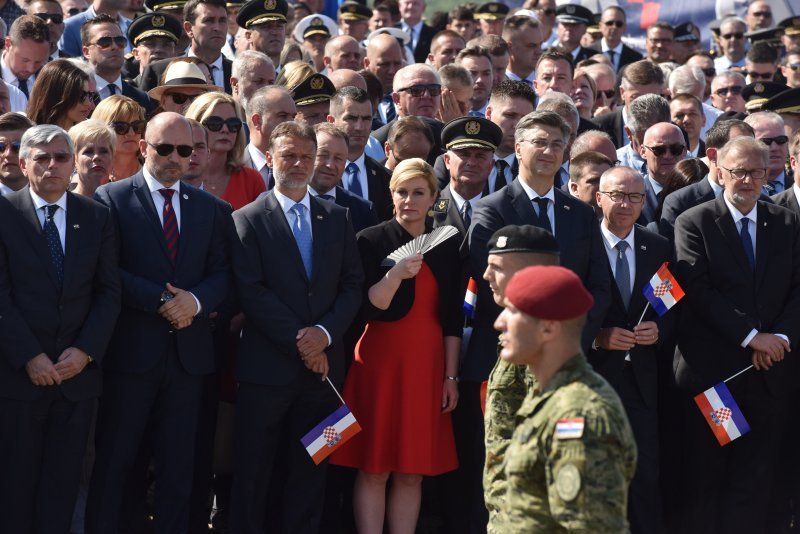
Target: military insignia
[[269, 5], [472, 127], [493, 8], [502, 241], [689, 27], [316, 83], [571, 10], [568, 482], [350, 9], [440, 206], [316, 21], [759, 88], [158, 21], [569, 428]]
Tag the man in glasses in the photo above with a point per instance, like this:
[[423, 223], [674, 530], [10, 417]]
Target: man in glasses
[[71, 42], [726, 92], [759, 16], [174, 250], [662, 148], [27, 48], [624, 351], [731, 43], [659, 42], [761, 63], [50, 12], [613, 24], [737, 259], [768, 128], [12, 127], [104, 49], [790, 67]]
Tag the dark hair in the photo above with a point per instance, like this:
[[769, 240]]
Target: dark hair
[[461, 13], [374, 85], [14, 121], [333, 131], [791, 52], [686, 97], [686, 172], [347, 93], [642, 72], [86, 27], [661, 25], [617, 9], [444, 33], [29, 27], [473, 51], [534, 119], [557, 54], [761, 52], [794, 144], [491, 42], [513, 89], [58, 88], [190, 8], [720, 132], [292, 129], [390, 6], [406, 125], [701, 53], [583, 160]]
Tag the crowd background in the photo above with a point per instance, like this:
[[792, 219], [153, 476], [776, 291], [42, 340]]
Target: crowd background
[[280, 151]]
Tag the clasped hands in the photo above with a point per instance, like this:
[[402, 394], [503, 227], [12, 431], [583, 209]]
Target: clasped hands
[[616, 338], [311, 345], [43, 372], [768, 349], [179, 311]]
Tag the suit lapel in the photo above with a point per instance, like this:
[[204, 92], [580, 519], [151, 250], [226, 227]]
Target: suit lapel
[[189, 219], [728, 228], [276, 220], [33, 228], [521, 203], [763, 241], [142, 193], [76, 224], [561, 212], [319, 233]]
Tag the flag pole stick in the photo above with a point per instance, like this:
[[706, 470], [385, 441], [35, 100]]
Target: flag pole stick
[[643, 312], [740, 372], [337, 392]]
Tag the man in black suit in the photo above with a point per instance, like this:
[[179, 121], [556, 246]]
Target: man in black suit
[[624, 351], [421, 34], [613, 24], [205, 22], [173, 242], [662, 148], [351, 111], [739, 265], [788, 199], [298, 305], [59, 299], [332, 149]]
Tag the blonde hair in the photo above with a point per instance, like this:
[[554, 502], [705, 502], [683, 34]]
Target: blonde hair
[[294, 73], [92, 130], [202, 108], [409, 169], [118, 108]]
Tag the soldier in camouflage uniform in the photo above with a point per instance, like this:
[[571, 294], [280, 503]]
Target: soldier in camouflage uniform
[[511, 249], [572, 455]]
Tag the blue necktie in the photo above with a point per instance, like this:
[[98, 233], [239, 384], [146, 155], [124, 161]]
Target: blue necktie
[[302, 235], [54, 241], [355, 182], [622, 273], [747, 243], [542, 220], [476, 114], [388, 104]]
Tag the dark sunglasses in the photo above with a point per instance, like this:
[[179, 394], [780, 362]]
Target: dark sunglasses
[[14, 146], [676, 149], [55, 18], [75, 10], [215, 124], [164, 149], [794, 66], [617, 23], [734, 90], [780, 140], [608, 93], [180, 98], [122, 127], [735, 35], [762, 14], [93, 96], [759, 75], [433, 89], [106, 42], [710, 71]]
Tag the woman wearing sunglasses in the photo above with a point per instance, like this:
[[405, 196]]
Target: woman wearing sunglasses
[[126, 117], [94, 154], [61, 95], [226, 176]]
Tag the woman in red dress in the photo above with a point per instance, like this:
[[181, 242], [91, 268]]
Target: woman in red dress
[[402, 385]]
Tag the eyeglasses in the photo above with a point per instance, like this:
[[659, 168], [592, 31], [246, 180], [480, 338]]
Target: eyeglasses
[[433, 89], [215, 124], [75, 10], [736, 35], [55, 18], [759, 75], [779, 140], [549, 11], [180, 98], [763, 14], [733, 90], [58, 157], [617, 23], [741, 174], [608, 93], [87, 96], [619, 196], [14, 146], [123, 127], [710, 71], [106, 42], [676, 149], [543, 144], [164, 149], [794, 66]]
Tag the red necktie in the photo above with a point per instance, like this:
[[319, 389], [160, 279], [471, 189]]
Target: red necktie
[[171, 233]]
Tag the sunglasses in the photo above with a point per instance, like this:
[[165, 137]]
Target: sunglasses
[[180, 98], [736, 35], [122, 127], [164, 149], [106, 42], [712, 71], [676, 149], [794, 66], [416, 91], [87, 96], [13, 146], [75, 10], [215, 124], [780, 140], [759, 75], [617, 23], [55, 18], [762, 14], [734, 90], [608, 93]]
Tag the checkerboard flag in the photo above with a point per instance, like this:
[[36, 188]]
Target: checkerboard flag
[[722, 413], [331, 433], [663, 291]]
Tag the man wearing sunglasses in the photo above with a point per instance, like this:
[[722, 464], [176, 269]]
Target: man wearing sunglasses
[[613, 25], [71, 40], [768, 128], [761, 63], [726, 92], [731, 43], [50, 12], [790, 67], [174, 260], [759, 16], [12, 127], [27, 47], [662, 149]]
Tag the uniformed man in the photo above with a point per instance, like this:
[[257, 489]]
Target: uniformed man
[[153, 36], [572, 455], [313, 33], [756, 94], [511, 249], [313, 99]]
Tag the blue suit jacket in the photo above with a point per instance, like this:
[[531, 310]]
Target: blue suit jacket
[[70, 42]]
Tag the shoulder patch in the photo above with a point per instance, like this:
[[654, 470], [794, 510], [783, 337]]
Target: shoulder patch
[[441, 205], [568, 482], [569, 428]]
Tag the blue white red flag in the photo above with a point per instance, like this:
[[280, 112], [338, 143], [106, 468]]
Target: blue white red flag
[[722, 413], [330, 434], [470, 298], [663, 291]]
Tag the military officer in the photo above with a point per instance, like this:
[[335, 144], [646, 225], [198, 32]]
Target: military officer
[[572, 455]]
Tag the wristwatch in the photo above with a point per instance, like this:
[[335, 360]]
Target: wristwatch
[[453, 378]]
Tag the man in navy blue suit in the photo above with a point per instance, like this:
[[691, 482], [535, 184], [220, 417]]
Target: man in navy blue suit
[[173, 243], [70, 42]]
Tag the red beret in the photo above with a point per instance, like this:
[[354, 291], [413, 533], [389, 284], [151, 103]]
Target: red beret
[[549, 292]]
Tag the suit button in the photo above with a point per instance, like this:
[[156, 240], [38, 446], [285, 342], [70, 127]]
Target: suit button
[[310, 294]]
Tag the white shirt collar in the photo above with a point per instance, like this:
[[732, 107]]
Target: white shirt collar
[[508, 159], [154, 185], [738, 216], [550, 195], [715, 187], [287, 203], [612, 240], [459, 200], [102, 83], [514, 78], [657, 187], [39, 202], [606, 48], [258, 157], [796, 192]]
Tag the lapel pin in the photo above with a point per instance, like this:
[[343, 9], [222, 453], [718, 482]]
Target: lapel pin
[[319, 217], [765, 223], [566, 207], [642, 247], [185, 196], [76, 226]]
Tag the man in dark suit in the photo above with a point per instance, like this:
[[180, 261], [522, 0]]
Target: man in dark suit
[[71, 42], [173, 242], [59, 299], [788, 199], [298, 305], [104, 49], [268, 107], [613, 24], [624, 351], [328, 169], [351, 111], [663, 146], [421, 34], [739, 265]]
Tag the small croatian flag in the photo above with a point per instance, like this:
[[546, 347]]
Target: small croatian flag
[[470, 298], [722, 414], [330, 434], [663, 291]]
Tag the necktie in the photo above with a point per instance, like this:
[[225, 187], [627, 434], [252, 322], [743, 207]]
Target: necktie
[[355, 181], [611, 55], [388, 106], [774, 187], [623, 273], [466, 214], [329, 198], [747, 243], [171, 233], [54, 241], [500, 182], [302, 235], [410, 44], [23, 86], [112, 89], [542, 220], [212, 69], [270, 179]]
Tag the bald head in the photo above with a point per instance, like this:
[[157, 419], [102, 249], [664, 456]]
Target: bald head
[[346, 77], [384, 58], [663, 147], [342, 52], [167, 128], [594, 141]]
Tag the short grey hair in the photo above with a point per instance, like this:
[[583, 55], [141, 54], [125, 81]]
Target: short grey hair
[[561, 104], [453, 73], [246, 59], [687, 79], [732, 19], [728, 75], [646, 111], [744, 142], [406, 72], [41, 135], [764, 117], [537, 119]]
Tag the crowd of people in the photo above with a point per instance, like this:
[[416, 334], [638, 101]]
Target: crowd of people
[[206, 231]]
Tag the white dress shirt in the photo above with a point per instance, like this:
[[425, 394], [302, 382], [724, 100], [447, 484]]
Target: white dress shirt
[[413, 31], [11, 78], [459, 200], [59, 217], [550, 195], [17, 99], [259, 160], [610, 242], [102, 86], [751, 229], [528, 79], [617, 53]]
